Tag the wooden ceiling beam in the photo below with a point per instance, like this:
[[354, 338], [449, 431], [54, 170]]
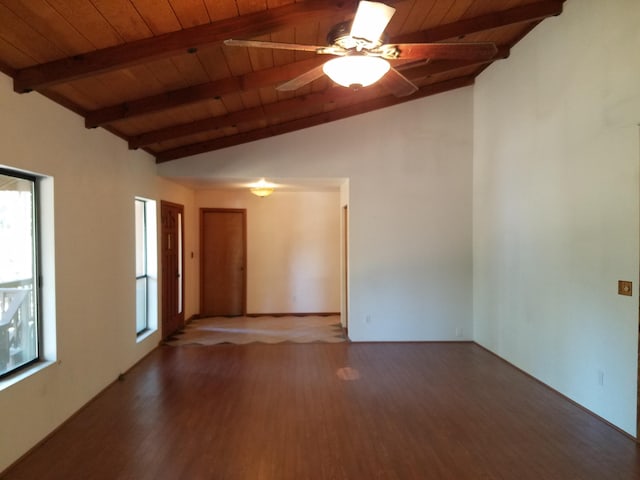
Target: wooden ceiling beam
[[526, 13], [198, 93], [182, 41], [271, 111], [6, 69], [417, 72], [272, 76], [268, 112], [326, 117], [263, 78]]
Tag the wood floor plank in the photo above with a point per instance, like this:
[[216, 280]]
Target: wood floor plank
[[330, 411]]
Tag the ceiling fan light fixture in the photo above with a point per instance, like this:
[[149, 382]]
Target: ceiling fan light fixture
[[356, 70], [262, 188]]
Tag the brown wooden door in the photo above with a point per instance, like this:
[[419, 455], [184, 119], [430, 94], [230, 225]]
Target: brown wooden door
[[223, 262], [171, 218]]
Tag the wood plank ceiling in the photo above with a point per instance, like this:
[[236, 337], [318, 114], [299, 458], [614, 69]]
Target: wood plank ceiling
[[156, 73]]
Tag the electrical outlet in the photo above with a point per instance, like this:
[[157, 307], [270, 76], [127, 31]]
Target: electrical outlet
[[459, 332], [600, 378], [367, 319]]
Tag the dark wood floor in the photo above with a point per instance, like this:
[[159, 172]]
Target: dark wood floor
[[330, 411]]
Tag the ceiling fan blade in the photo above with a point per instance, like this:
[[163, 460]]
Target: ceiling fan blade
[[370, 21], [443, 51], [274, 45], [301, 80], [397, 83]]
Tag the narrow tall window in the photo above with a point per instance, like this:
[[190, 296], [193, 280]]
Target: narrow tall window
[[142, 278], [19, 299], [146, 265]]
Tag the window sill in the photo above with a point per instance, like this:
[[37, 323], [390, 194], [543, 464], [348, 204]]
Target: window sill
[[144, 334], [23, 374]]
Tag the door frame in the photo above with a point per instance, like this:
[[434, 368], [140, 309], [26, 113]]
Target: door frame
[[181, 283], [243, 212], [345, 267]]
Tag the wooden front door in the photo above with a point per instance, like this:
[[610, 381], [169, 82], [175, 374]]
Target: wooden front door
[[223, 261], [171, 219]]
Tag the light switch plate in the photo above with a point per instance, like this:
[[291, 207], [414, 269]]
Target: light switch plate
[[624, 288]]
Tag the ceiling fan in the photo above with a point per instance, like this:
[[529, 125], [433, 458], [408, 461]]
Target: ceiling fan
[[362, 54]]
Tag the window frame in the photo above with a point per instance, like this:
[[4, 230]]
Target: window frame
[[36, 252], [145, 261], [150, 250]]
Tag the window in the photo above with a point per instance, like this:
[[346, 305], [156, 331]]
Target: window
[[19, 294], [146, 266]]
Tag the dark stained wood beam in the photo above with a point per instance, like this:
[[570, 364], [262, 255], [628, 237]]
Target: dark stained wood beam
[[524, 14], [271, 111], [205, 91], [162, 101], [198, 93], [268, 112], [356, 109], [532, 13], [416, 73], [182, 41], [7, 70]]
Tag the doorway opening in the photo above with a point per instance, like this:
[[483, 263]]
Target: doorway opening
[[287, 258]]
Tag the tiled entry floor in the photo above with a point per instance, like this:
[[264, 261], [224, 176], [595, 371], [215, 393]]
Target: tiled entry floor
[[241, 330]]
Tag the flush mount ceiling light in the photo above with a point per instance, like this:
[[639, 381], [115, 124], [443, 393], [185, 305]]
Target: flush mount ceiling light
[[356, 70], [262, 188]]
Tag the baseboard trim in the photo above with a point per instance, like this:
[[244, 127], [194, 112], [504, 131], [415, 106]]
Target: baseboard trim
[[581, 407], [196, 316], [297, 314]]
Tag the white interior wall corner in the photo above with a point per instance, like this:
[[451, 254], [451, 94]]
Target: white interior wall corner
[[556, 205]]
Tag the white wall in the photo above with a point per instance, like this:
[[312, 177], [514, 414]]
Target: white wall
[[409, 170], [293, 248], [556, 196], [95, 180]]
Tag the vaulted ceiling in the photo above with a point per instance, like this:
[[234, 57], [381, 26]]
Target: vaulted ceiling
[[157, 73]]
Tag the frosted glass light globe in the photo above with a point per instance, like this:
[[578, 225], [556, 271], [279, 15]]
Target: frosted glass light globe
[[356, 70]]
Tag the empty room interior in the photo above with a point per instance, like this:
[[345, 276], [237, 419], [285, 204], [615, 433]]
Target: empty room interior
[[472, 220]]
